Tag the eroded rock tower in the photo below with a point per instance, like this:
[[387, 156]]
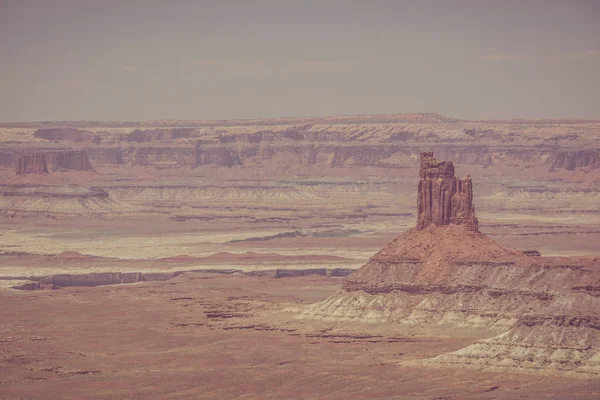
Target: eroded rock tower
[[444, 199]]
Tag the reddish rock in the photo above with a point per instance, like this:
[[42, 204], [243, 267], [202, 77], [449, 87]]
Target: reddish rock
[[576, 159], [220, 156], [8, 158], [32, 164], [444, 199], [71, 160], [105, 155]]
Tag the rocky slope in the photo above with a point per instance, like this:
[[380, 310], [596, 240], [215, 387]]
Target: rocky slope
[[545, 311], [55, 200]]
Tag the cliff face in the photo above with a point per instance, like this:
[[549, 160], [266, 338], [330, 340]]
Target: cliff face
[[7, 159], [294, 133], [106, 156], [32, 164], [245, 150], [362, 156], [221, 157], [571, 160], [442, 198], [72, 160], [40, 162], [332, 143]]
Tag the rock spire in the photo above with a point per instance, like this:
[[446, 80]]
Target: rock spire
[[444, 199]]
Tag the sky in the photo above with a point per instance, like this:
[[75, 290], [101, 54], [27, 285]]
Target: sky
[[130, 60]]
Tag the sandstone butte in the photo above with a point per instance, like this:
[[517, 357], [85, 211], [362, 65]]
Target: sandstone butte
[[542, 314]]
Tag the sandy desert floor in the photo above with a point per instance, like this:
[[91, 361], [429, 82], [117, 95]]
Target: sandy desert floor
[[230, 337]]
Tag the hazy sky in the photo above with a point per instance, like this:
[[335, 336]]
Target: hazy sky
[[139, 60]]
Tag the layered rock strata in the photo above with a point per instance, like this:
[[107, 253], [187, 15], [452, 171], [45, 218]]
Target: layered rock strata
[[442, 198], [34, 163], [571, 160], [249, 151], [71, 160], [541, 314], [54, 200], [40, 162]]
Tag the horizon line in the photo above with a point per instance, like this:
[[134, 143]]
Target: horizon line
[[341, 117]]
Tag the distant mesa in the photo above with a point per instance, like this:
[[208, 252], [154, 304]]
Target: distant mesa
[[70, 134], [444, 199], [34, 163]]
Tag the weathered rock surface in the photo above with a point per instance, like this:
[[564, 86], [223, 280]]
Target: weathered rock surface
[[106, 156], [160, 156], [40, 162], [221, 157], [571, 160], [70, 134], [150, 135], [55, 200], [442, 198], [34, 163], [71, 160], [545, 311], [7, 159]]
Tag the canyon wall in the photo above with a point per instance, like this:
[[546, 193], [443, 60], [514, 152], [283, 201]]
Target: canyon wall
[[42, 161], [8, 159], [384, 142], [70, 160], [34, 163], [556, 161], [330, 155], [571, 160]]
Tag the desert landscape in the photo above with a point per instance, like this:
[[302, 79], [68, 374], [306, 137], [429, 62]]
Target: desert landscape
[[261, 258], [299, 200]]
